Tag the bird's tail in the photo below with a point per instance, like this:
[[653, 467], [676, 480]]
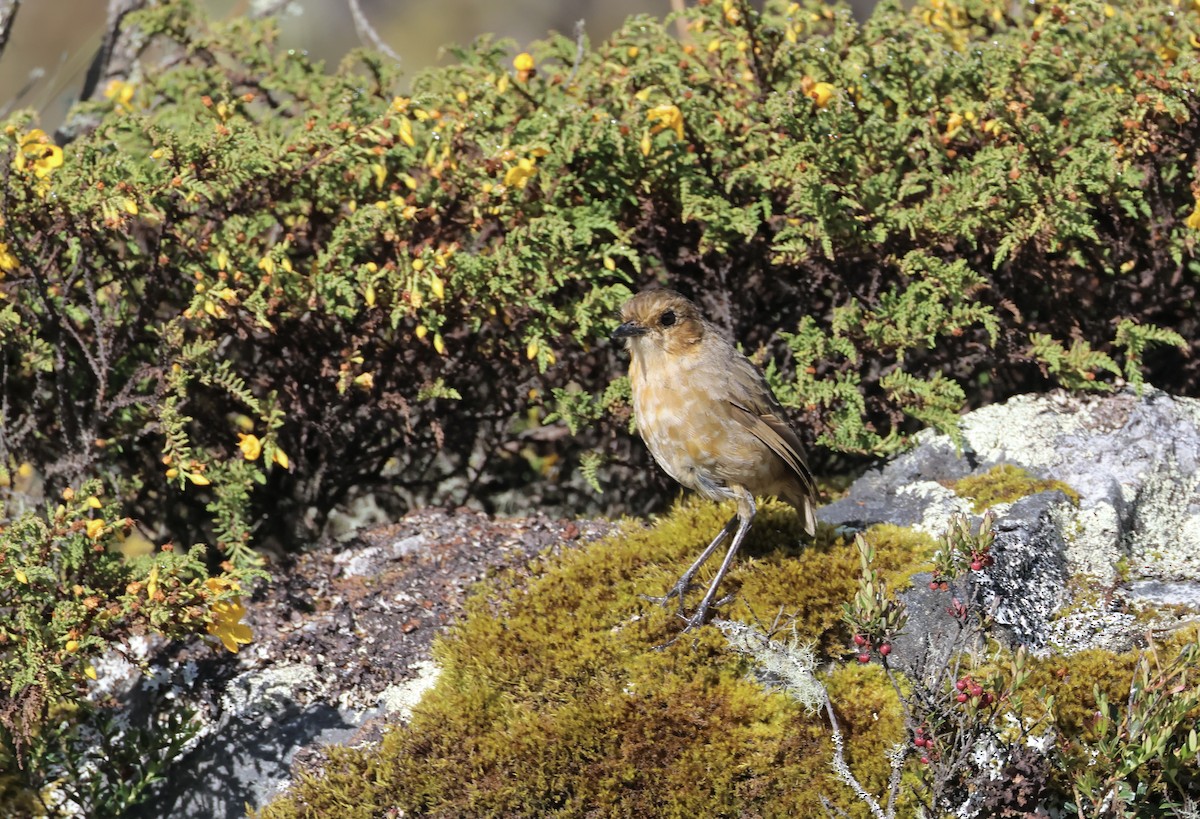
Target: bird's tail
[[806, 507]]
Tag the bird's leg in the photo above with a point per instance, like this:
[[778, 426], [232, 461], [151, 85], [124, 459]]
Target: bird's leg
[[685, 581], [745, 517]]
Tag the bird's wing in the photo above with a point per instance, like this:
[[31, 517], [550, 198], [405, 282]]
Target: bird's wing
[[779, 437], [775, 433], [755, 407]]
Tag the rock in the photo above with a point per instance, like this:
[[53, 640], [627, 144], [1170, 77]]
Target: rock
[[341, 648], [1135, 462], [342, 637]]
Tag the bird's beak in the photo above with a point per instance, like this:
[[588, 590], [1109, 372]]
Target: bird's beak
[[630, 329]]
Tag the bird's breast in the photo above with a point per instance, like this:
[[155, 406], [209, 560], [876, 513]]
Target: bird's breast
[[683, 414]]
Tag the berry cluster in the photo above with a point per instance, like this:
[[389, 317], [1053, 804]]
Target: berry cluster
[[981, 559], [925, 745], [864, 648], [972, 692]]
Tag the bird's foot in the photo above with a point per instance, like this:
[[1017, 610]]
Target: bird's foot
[[676, 592], [698, 617]]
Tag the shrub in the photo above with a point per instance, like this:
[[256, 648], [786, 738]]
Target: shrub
[[239, 253], [69, 596]]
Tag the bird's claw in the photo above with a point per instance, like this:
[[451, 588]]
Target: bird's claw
[[676, 592], [698, 617]]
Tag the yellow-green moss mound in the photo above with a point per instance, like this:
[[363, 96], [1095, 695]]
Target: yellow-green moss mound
[[1005, 483], [554, 701]]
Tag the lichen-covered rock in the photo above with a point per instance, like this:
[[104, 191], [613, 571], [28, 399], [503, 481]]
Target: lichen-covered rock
[[1134, 463]]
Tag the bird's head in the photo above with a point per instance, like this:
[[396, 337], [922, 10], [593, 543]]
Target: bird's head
[[661, 319]]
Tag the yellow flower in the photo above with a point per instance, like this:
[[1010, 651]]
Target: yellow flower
[[152, 583], [8, 261], [821, 93], [93, 502], [523, 61], [406, 134], [226, 624], [72, 646], [437, 287], [250, 446], [280, 457], [439, 344], [954, 124], [38, 152], [519, 174], [95, 528], [197, 478], [365, 380], [90, 672], [666, 117], [21, 577], [1193, 221], [121, 93]]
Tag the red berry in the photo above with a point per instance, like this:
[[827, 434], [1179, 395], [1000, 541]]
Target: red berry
[[933, 585], [859, 640], [864, 657], [919, 742], [976, 565], [962, 698], [961, 684], [976, 690], [924, 760]]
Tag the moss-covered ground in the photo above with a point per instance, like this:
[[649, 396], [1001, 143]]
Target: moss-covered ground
[[554, 699], [558, 697]]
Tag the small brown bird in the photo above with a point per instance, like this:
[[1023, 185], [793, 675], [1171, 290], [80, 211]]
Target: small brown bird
[[710, 421]]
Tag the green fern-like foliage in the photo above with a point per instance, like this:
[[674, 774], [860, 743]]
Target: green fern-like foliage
[[1075, 366]]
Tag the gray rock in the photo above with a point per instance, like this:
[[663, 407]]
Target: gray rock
[[1160, 594], [1027, 583], [1135, 462]]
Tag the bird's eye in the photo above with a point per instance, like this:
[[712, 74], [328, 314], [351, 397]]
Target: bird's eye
[[667, 318]]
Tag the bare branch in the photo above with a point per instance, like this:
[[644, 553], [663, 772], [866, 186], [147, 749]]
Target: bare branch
[[8, 13], [116, 55], [579, 36], [367, 32]]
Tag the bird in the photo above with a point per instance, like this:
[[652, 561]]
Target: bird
[[711, 422]]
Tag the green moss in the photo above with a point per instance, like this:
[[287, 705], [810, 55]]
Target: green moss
[[1005, 483], [553, 699], [1073, 682]]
